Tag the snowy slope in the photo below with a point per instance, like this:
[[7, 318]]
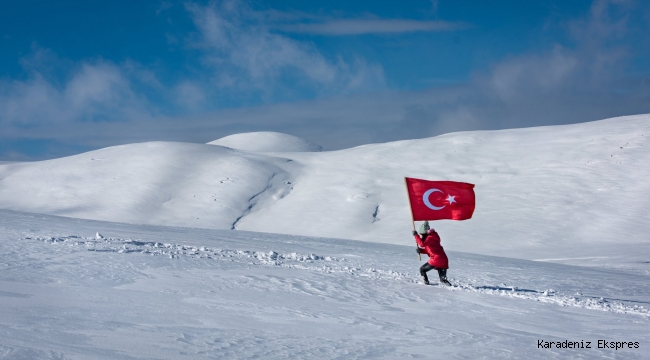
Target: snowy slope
[[155, 183], [154, 292], [267, 141], [562, 193]]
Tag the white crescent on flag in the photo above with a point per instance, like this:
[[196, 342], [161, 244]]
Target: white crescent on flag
[[428, 204]]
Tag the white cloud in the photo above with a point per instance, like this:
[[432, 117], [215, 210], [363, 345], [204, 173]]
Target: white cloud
[[23, 102], [600, 26], [96, 91], [243, 53], [189, 95], [339, 27], [96, 85], [542, 73]]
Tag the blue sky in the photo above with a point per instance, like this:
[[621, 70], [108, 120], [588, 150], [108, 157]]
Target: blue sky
[[78, 75]]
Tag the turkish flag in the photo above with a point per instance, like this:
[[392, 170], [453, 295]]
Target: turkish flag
[[437, 200]]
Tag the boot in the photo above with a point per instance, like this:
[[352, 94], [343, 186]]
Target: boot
[[443, 276]]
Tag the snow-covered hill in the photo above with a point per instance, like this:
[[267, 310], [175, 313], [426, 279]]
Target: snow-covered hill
[[267, 141], [567, 196], [566, 193], [155, 292]]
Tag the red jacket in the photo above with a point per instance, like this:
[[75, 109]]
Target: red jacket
[[431, 244]]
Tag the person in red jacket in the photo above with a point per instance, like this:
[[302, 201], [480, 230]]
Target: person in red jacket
[[428, 242]]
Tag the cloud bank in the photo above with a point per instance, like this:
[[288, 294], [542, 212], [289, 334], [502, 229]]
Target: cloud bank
[[567, 83], [289, 85]]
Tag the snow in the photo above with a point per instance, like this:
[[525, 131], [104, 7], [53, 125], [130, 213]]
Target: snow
[[542, 193], [129, 252], [267, 141], [154, 292]]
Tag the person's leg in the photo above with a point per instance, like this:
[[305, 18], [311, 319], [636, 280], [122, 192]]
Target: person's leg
[[423, 271], [442, 273]]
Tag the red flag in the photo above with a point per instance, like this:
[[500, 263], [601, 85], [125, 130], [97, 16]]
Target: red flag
[[436, 200]]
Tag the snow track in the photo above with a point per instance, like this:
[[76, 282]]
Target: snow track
[[330, 264], [151, 292]]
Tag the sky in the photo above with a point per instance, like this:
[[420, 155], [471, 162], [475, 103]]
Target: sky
[[77, 76]]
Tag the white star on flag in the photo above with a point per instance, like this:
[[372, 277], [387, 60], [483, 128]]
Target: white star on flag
[[451, 199]]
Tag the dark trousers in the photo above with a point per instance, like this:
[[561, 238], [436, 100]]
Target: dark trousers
[[442, 273]]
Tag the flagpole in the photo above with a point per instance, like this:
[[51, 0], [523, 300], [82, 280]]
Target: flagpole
[[411, 210]]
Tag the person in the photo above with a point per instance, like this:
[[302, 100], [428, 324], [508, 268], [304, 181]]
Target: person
[[428, 242]]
